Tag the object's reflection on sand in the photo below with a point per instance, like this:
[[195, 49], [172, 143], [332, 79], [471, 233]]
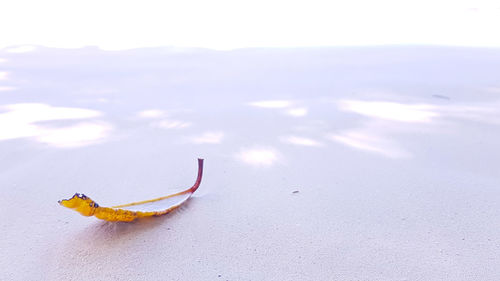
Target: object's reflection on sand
[[171, 124], [7, 88], [272, 104], [39, 122], [3, 75], [303, 141], [208, 138], [258, 156], [390, 110], [481, 112], [160, 121], [366, 140], [80, 134], [151, 113], [297, 111], [422, 113], [390, 119], [289, 107]]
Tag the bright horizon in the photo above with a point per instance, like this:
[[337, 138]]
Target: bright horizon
[[223, 25]]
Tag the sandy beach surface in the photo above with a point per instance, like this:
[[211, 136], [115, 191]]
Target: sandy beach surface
[[375, 163]]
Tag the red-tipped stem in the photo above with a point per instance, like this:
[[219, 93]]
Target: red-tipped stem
[[198, 179]]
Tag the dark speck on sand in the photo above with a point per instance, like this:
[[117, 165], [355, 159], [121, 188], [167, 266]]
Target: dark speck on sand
[[441, 97]]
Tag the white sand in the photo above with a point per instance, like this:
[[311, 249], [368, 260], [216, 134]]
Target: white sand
[[395, 154]]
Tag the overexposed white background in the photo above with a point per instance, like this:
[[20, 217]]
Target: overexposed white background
[[224, 24]]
